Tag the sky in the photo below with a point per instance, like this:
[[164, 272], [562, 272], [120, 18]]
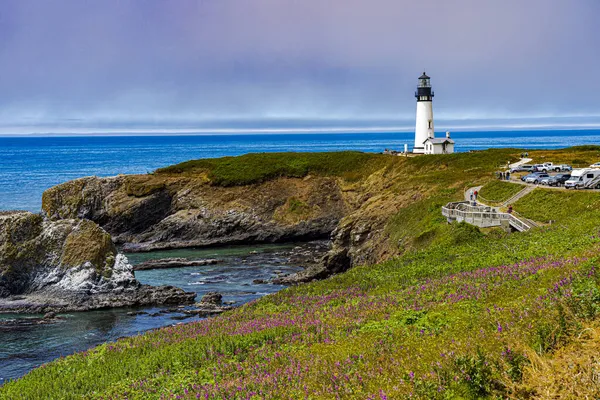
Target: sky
[[88, 66]]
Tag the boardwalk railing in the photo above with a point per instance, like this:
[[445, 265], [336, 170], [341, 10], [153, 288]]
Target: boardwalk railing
[[481, 216]]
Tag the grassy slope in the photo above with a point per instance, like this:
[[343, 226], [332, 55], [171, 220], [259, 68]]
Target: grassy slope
[[456, 318], [258, 167], [577, 157], [499, 191]]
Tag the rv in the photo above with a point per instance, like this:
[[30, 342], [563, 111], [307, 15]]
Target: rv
[[584, 178]]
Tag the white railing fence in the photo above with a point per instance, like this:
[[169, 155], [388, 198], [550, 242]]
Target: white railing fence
[[482, 216]]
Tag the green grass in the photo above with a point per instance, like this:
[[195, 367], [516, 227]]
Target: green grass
[[452, 318], [562, 206], [578, 156], [260, 167], [499, 191], [429, 341]]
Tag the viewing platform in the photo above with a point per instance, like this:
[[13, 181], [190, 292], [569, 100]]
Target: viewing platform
[[484, 216]]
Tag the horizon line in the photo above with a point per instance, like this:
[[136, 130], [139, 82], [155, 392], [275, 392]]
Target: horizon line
[[268, 131]]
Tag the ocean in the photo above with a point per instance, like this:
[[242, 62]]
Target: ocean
[[30, 165]]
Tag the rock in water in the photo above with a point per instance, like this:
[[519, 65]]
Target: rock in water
[[50, 315], [173, 263], [212, 298], [68, 265], [211, 303]]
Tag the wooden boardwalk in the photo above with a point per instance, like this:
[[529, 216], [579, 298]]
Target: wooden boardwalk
[[484, 216], [476, 213]]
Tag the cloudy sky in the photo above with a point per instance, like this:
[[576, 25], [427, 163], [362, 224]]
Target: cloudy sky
[[218, 65]]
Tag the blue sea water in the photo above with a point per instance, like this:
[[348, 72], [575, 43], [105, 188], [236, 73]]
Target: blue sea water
[[30, 165]]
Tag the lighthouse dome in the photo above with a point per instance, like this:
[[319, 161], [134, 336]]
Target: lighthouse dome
[[424, 76]]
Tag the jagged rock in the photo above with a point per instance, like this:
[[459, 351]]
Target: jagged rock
[[212, 298], [173, 263], [134, 313], [210, 304], [68, 265], [307, 275], [337, 260], [50, 315], [181, 317], [151, 212]]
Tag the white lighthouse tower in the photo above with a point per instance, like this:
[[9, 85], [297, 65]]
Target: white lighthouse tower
[[424, 126]]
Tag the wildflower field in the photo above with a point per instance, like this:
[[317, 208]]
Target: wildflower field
[[463, 317]]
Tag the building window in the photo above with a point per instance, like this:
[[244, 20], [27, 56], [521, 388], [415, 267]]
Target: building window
[[429, 124]]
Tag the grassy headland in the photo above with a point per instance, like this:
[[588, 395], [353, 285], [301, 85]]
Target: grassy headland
[[460, 314], [260, 167]]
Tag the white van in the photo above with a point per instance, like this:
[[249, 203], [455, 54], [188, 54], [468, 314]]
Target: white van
[[583, 178]]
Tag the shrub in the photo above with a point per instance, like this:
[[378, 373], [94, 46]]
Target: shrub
[[515, 362], [476, 374]]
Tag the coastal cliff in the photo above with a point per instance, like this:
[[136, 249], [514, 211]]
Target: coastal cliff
[[371, 206], [252, 199], [149, 212], [68, 265]]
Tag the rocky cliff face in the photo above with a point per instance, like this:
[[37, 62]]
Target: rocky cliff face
[[364, 203], [148, 212], [156, 212], [68, 265]]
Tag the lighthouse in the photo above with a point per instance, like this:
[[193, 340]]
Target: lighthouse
[[424, 126]]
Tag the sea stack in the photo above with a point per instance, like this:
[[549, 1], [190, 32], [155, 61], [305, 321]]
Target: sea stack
[[68, 265]]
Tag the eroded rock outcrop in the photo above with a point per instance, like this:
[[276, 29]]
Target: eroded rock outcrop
[[148, 212], [68, 265], [162, 211], [165, 263]]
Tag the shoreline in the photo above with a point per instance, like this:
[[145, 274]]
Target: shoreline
[[172, 315]]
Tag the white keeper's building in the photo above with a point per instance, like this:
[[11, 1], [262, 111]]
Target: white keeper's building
[[425, 140]]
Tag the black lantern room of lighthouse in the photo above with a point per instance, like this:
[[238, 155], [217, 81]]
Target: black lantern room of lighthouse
[[424, 92]]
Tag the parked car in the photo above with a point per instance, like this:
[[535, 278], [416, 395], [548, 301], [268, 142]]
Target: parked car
[[536, 173], [536, 178], [595, 165], [548, 166], [522, 168], [563, 168], [555, 180]]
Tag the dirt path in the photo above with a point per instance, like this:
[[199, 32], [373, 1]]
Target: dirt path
[[519, 163]]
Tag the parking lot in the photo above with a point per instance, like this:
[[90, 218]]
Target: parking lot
[[551, 175]]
